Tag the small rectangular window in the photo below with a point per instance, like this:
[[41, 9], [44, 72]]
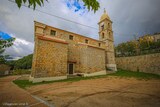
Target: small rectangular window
[[109, 25], [102, 27], [99, 44], [86, 41], [102, 35], [53, 32], [70, 37]]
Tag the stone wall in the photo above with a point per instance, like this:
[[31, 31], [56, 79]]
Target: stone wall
[[156, 37], [50, 59], [54, 52], [95, 60], [144, 63], [62, 34], [87, 59]]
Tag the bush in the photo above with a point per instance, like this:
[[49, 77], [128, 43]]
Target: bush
[[24, 63], [21, 71]]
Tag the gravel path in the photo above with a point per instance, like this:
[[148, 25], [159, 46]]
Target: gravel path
[[13, 96], [104, 92]]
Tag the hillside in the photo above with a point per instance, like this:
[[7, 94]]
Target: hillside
[[23, 63]]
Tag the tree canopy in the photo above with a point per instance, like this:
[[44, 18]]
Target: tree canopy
[[136, 48], [3, 45], [23, 63], [90, 4]]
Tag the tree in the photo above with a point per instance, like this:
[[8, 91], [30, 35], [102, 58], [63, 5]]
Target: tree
[[23, 63], [90, 4], [127, 48], [155, 45], [3, 45], [131, 47]]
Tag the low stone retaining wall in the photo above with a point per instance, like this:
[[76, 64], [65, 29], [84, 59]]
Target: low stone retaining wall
[[144, 63]]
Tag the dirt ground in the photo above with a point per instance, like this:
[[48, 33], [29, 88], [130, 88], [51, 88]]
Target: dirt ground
[[13, 96], [104, 92]]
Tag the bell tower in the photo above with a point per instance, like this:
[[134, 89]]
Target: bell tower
[[106, 35]]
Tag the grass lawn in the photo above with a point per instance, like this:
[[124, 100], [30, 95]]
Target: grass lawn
[[120, 73], [139, 75]]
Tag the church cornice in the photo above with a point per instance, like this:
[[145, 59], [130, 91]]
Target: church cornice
[[105, 29], [93, 46], [72, 33], [51, 39], [108, 40], [104, 20]]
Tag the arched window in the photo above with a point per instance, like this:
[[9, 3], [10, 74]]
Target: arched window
[[102, 27], [102, 35], [108, 24]]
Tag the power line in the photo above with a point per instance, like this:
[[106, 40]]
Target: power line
[[66, 19], [58, 16]]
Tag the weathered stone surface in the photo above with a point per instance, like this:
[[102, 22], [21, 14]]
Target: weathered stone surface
[[55, 49], [144, 63], [51, 59]]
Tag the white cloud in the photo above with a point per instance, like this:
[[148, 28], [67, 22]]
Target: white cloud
[[128, 16], [20, 48]]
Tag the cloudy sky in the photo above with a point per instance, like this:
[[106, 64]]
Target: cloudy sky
[[130, 17]]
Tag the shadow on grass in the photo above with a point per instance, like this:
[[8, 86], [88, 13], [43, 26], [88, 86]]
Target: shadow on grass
[[120, 73], [139, 75]]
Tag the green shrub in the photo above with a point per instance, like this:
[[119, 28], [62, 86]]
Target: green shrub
[[21, 71]]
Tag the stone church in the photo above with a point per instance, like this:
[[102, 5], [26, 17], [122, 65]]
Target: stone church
[[59, 53]]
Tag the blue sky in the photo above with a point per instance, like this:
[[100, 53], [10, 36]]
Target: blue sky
[[130, 17], [4, 36], [76, 5]]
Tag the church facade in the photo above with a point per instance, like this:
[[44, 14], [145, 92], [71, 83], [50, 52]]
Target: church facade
[[59, 53]]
